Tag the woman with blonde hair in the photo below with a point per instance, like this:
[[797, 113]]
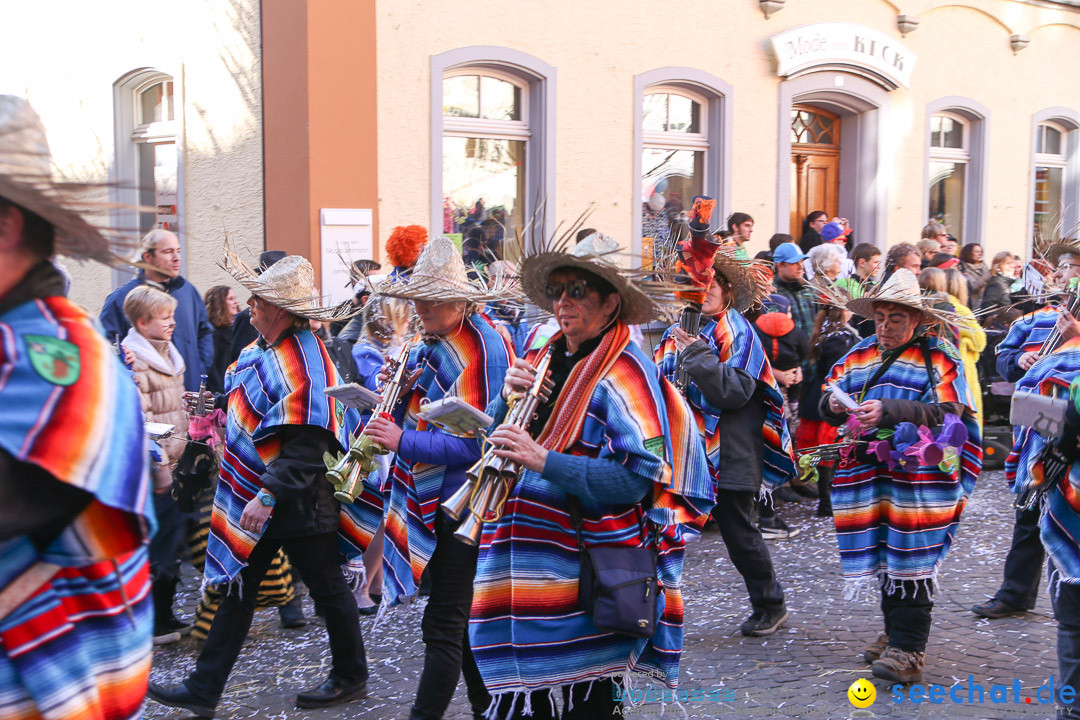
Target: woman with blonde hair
[[971, 339], [997, 296]]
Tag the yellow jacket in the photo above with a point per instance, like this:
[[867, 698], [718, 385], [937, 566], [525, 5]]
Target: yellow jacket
[[972, 343]]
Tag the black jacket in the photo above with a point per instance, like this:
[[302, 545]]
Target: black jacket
[[243, 334], [742, 399], [297, 478], [215, 374]]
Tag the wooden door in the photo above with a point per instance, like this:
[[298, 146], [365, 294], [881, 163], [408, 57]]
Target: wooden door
[[815, 164]]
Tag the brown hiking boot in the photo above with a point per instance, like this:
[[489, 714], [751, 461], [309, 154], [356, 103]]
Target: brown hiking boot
[[876, 648], [899, 665]]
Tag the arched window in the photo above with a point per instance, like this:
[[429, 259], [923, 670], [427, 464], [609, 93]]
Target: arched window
[[1051, 165], [494, 126], [950, 155]]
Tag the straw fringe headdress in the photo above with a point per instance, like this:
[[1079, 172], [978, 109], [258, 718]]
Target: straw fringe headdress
[[902, 288], [440, 276], [26, 180], [646, 294], [288, 284]]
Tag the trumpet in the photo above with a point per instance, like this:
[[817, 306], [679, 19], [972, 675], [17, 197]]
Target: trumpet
[[348, 472], [483, 496]]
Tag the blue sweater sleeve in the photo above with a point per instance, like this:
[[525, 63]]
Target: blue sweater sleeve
[[596, 480], [1007, 364], [436, 448], [368, 363]]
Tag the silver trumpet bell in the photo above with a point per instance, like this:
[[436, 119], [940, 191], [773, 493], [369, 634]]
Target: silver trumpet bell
[[458, 504]]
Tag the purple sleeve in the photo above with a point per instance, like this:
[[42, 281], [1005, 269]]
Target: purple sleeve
[[436, 448]]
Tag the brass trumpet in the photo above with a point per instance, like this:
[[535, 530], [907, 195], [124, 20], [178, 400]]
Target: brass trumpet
[[348, 472], [490, 480]]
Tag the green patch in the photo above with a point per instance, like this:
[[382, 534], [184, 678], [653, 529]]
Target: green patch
[[54, 359], [655, 446]]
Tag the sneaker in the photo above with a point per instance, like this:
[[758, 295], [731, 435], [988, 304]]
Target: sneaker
[[876, 648], [902, 666], [166, 638], [776, 529], [994, 609], [763, 622]]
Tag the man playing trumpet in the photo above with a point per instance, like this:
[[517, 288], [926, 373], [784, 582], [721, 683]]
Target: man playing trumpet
[[464, 356]]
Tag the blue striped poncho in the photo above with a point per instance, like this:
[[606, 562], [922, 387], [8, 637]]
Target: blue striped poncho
[[734, 341], [895, 525], [471, 365], [527, 630], [1059, 520], [1028, 333]]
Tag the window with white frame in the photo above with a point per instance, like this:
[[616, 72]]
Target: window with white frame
[[674, 153], [485, 147], [950, 158], [1051, 161], [156, 163]]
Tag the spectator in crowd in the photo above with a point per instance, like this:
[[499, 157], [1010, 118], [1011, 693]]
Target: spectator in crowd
[[866, 265], [194, 336], [159, 375], [937, 232], [902, 256], [927, 249], [997, 297], [976, 271], [788, 259], [740, 225], [776, 241], [811, 230], [828, 259], [972, 336], [221, 310]]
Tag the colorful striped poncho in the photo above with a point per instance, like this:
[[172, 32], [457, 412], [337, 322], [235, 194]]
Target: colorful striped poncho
[[897, 525], [1059, 521], [79, 645], [470, 365], [1028, 333], [280, 384], [527, 630], [737, 345]]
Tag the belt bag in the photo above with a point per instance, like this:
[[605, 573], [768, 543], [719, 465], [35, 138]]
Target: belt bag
[[618, 585]]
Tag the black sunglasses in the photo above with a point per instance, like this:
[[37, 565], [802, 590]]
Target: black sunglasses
[[575, 290]]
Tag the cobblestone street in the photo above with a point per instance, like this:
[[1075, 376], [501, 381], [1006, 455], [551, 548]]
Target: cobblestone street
[[803, 671]]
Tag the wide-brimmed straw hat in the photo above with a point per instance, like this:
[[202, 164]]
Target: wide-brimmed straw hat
[[26, 180], [288, 284], [750, 280], [902, 288], [440, 276], [643, 299]]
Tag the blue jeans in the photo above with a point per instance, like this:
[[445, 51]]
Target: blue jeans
[[169, 538], [1066, 600]]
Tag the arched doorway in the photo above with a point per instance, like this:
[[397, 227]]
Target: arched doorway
[[815, 163]]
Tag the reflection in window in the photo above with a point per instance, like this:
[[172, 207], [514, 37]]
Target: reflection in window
[[947, 195], [156, 162], [665, 112], [481, 96], [946, 132], [1050, 162]]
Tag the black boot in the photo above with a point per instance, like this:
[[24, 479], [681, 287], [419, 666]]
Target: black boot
[[824, 483], [165, 623], [292, 614]]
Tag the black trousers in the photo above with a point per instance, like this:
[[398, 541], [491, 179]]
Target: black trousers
[[317, 558], [445, 628], [734, 514], [601, 703], [1023, 564], [907, 615]]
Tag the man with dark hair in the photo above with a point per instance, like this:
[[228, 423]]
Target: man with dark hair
[[902, 255], [194, 335], [740, 225], [75, 518]]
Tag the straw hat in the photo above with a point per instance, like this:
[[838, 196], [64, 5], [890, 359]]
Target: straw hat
[[440, 276], [750, 280], [288, 284], [26, 180], [902, 288], [642, 299]]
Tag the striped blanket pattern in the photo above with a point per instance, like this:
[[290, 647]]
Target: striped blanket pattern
[[79, 646], [470, 365], [1059, 521], [734, 341], [896, 525], [281, 384], [1027, 333], [527, 630]]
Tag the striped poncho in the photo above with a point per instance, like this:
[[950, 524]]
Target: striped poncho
[[1059, 522], [1028, 333], [527, 630], [734, 341], [279, 384], [897, 525], [79, 644], [471, 365]]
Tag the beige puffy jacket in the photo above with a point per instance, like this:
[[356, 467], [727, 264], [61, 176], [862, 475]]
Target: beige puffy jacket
[[159, 373]]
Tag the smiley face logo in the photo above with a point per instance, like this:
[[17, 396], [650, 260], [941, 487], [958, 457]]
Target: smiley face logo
[[862, 693]]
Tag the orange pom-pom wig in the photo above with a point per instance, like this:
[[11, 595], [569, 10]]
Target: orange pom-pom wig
[[405, 244]]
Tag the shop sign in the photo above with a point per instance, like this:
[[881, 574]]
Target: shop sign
[[844, 46]]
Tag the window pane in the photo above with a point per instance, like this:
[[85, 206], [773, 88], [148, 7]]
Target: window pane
[[1048, 186], [1052, 146], [654, 112], [952, 133], [684, 115], [947, 195], [483, 180], [154, 103], [670, 179], [461, 96], [499, 100]]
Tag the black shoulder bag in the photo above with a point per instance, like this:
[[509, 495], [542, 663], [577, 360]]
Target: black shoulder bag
[[618, 585]]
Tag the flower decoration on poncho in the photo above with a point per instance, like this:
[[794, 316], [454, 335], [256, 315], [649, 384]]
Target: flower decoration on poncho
[[911, 446]]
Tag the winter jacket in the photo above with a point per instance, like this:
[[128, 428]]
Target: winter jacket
[[243, 334], [978, 275], [193, 337], [833, 349], [159, 374], [215, 380], [786, 346], [997, 297]]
